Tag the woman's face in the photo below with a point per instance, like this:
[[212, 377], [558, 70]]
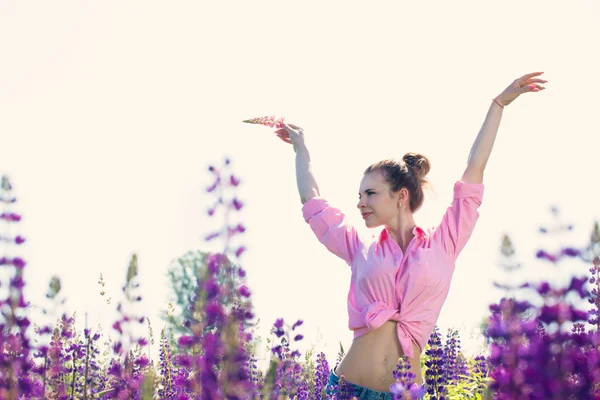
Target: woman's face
[[374, 200]]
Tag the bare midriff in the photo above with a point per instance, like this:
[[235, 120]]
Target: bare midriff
[[372, 358]]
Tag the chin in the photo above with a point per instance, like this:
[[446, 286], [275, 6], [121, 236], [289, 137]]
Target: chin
[[371, 225]]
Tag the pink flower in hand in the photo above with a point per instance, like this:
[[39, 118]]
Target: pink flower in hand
[[269, 121]]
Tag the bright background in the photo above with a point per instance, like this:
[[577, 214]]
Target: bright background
[[111, 112]]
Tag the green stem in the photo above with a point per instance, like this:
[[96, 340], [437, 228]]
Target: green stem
[[45, 372], [73, 378], [87, 362]]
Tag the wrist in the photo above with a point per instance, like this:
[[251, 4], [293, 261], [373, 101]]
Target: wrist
[[499, 102], [300, 148]]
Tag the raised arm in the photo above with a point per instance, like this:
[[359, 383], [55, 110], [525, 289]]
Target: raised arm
[[482, 148], [307, 185], [327, 222]]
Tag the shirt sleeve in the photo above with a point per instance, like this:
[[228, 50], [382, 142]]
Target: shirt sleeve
[[459, 220], [331, 228]]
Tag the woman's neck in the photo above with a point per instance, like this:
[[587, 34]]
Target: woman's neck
[[402, 232]]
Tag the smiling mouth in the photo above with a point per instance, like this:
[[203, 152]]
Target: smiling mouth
[[366, 215]]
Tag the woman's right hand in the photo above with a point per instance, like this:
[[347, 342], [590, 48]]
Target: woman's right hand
[[291, 134]]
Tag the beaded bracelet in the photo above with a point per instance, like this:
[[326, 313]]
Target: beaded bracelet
[[501, 106]]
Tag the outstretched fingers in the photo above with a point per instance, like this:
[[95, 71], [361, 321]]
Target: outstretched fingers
[[528, 82], [283, 135], [525, 77], [536, 81], [534, 88]]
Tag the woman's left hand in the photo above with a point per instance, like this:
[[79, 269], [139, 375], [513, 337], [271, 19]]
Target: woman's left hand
[[526, 83]]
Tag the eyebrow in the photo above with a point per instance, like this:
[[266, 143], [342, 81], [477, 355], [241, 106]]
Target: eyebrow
[[366, 190]]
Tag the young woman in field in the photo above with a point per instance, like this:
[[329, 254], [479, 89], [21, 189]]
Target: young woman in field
[[400, 277]]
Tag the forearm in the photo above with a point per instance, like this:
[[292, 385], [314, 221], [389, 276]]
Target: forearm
[[307, 185], [482, 147]]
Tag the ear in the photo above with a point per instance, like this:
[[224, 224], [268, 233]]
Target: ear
[[404, 194]]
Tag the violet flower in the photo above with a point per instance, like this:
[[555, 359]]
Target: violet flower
[[435, 372], [15, 347]]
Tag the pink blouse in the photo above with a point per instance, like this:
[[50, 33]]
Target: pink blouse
[[385, 284]]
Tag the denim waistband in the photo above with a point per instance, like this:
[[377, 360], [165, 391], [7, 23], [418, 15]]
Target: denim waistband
[[359, 391]]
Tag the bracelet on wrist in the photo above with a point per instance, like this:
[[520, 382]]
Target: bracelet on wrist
[[495, 101]]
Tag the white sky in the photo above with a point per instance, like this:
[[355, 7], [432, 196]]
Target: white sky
[[110, 113]]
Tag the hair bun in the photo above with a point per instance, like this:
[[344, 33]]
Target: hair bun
[[418, 163]]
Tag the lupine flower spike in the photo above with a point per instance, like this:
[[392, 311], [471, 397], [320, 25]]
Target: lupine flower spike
[[270, 121]]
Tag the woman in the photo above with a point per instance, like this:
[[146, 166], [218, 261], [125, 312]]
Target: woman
[[399, 278]]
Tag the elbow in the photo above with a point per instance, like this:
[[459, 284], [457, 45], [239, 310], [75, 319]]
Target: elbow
[[308, 194]]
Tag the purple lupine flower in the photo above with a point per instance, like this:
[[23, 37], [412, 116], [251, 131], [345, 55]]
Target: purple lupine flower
[[542, 254], [18, 262], [297, 324], [570, 252], [215, 185], [435, 374], [212, 236], [237, 204], [548, 363], [399, 391], [577, 285], [10, 217], [233, 181], [480, 368], [244, 291], [212, 289], [240, 250], [214, 314], [214, 263], [16, 351], [452, 352], [321, 375], [187, 341], [403, 376], [240, 228], [594, 299]]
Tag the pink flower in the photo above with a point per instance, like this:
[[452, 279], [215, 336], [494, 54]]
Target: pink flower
[[269, 121]]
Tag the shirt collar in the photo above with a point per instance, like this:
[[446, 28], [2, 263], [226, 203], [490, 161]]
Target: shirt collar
[[417, 231]]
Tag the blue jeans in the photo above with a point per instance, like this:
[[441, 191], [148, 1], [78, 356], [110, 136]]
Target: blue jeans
[[357, 391]]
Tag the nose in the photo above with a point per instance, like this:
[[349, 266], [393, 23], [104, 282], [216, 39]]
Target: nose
[[360, 204]]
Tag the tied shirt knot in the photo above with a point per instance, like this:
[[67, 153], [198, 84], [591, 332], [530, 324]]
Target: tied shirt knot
[[377, 313]]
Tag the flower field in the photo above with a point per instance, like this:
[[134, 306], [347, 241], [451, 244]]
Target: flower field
[[546, 350]]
